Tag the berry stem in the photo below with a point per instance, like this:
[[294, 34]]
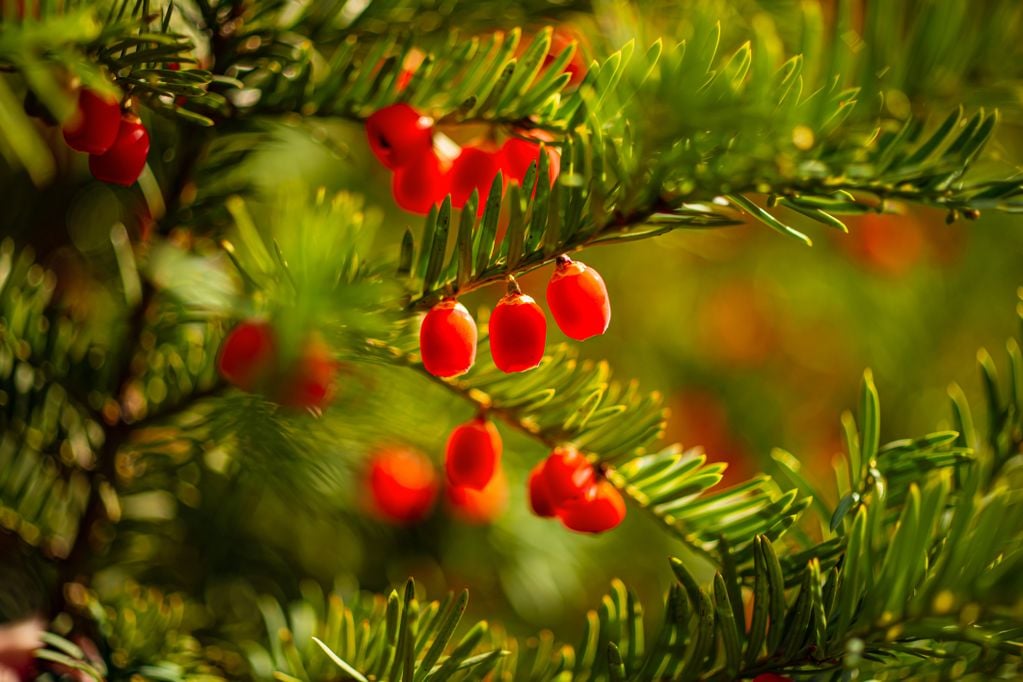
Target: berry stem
[[513, 287]]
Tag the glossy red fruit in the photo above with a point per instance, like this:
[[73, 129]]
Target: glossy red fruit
[[403, 484], [248, 355], [473, 169], [578, 300], [599, 510], [473, 454], [122, 164], [519, 154], [479, 506], [567, 475], [518, 333], [309, 383], [539, 498], [398, 134], [421, 183], [93, 127], [447, 339]]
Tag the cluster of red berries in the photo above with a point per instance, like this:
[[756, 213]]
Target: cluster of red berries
[[567, 486], [403, 484], [117, 143], [403, 140], [250, 359], [578, 301]]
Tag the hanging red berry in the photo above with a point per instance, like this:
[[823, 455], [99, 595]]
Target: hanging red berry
[[518, 154], [122, 164], [447, 339], [473, 169], [567, 475], [248, 355], [402, 484], [398, 134], [578, 300], [539, 498], [473, 453], [479, 506], [518, 331], [309, 383], [421, 183], [599, 510], [94, 125]]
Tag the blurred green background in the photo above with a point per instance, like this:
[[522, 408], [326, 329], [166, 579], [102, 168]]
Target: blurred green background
[[755, 341]]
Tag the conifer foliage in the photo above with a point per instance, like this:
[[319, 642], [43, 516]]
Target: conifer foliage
[[241, 363]]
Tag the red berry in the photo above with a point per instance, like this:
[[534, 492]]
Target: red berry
[[519, 154], [518, 332], [473, 169], [420, 184], [473, 453], [578, 300], [600, 509], [403, 484], [93, 127], [447, 339], [539, 498], [480, 506], [122, 164], [309, 383], [248, 354], [567, 475], [398, 135]]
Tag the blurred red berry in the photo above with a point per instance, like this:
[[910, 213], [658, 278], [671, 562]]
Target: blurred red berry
[[886, 243], [519, 154], [94, 125], [248, 355], [562, 40], [518, 333], [123, 162], [578, 300], [473, 454], [447, 339], [309, 384], [421, 183], [567, 475], [599, 510], [398, 135], [539, 498], [403, 484], [19, 641], [479, 506], [473, 169]]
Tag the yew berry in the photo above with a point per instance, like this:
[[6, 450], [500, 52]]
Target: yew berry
[[403, 484], [518, 332], [94, 125], [600, 509], [479, 506], [473, 454], [518, 154], [578, 300], [567, 475], [447, 339], [421, 183], [398, 134], [309, 383], [123, 162], [248, 355], [539, 497], [473, 169]]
